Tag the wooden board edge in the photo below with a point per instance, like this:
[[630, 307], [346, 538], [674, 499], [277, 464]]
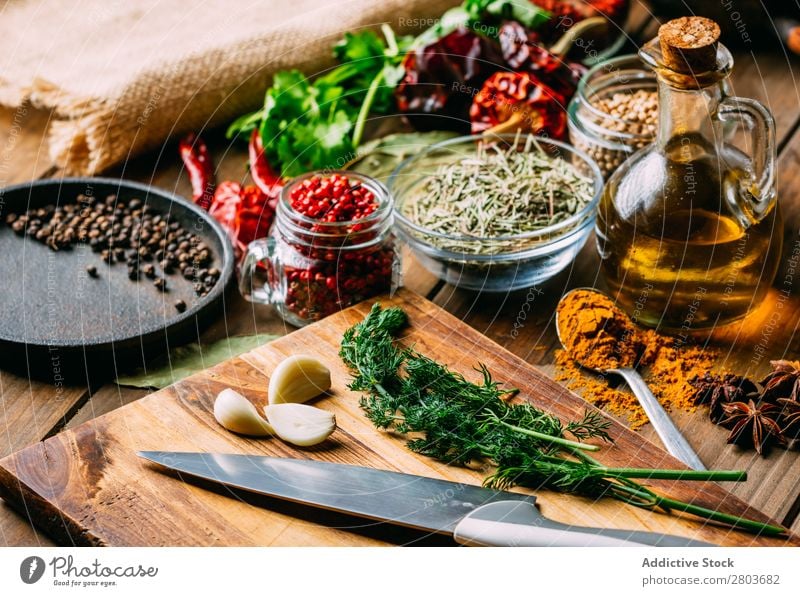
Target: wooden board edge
[[58, 526]]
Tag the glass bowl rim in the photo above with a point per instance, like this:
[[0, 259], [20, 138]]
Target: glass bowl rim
[[568, 224]]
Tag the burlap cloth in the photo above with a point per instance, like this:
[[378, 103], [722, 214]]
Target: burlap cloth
[[122, 76]]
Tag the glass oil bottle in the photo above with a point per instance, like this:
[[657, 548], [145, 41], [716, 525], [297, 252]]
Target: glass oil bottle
[[689, 230]]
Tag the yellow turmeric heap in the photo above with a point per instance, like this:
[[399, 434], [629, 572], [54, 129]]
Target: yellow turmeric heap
[[596, 333], [599, 335]]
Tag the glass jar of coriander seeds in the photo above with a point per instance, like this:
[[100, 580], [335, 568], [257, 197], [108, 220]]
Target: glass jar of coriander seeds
[[331, 246], [614, 111]]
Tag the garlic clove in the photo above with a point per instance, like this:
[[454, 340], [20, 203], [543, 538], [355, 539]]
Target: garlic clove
[[300, 424], [297, 379], [235, 412]]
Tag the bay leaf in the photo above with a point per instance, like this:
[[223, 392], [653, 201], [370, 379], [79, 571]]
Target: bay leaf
[[189, 359], [379, 158]]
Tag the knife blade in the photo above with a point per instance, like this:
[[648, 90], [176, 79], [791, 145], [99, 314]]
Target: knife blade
[[473, 515]]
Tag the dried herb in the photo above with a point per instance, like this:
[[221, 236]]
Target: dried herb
[[191, 358], [380, 157], [783, 381], [459, 422], [717, 390], [502, 190], [751, 424]]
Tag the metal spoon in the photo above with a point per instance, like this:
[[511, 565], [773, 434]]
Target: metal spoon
[[670, 435]]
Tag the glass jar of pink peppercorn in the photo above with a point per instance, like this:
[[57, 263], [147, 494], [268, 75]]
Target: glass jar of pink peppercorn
[[330, 247]]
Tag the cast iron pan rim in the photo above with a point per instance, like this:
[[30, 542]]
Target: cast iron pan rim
[[146, 189]]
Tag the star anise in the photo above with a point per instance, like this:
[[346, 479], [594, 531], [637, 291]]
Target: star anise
[[783, 381], [790, 417], [752, 425], [716, 390]]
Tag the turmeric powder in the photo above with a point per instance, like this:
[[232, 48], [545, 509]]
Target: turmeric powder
[[599, 335], [596, 333]]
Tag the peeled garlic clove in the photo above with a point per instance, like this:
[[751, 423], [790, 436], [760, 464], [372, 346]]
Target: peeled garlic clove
[[233, 411], [297, 379], [300, 424]]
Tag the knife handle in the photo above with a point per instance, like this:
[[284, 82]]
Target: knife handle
[[519, 523]]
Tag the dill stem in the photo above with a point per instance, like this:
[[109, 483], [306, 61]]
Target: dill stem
[[733, 520], [650, 499], [665, 474], [550, 438], [726, 518]]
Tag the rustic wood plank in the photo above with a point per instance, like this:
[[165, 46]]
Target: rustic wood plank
[[108, 496], [107, 399]]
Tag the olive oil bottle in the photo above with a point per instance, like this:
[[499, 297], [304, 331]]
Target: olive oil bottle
[[688, 229]]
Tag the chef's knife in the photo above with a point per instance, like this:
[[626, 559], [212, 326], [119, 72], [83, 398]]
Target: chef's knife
[[473, 515]]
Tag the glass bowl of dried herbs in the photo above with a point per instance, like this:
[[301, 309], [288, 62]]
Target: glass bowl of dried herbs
[[498, 213]]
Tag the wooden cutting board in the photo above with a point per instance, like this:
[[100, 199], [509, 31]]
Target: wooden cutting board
[[87, 486]]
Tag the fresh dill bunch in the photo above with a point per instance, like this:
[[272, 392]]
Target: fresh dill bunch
[[453, 419], [459, 422], [368, 348]]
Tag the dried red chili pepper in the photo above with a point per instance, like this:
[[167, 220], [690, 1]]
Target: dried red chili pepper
[[567, 13], [578, 10], [224, 207], [523, 51], [519, 101], [441, 79], [245, 212], [264, 177], [254, 215], [198, 163]]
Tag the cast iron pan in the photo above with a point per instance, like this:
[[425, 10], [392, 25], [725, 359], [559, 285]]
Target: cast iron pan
[[56, 318]]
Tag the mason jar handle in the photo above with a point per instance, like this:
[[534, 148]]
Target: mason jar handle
[[258, 251], [758, 192]]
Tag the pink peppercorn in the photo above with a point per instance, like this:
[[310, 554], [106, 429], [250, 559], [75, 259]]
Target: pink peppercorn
[[338, 249]]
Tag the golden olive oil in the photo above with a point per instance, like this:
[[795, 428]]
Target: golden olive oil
[[677, 251]]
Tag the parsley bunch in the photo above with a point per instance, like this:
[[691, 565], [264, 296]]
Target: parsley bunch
[[307, 125], [459, 422]]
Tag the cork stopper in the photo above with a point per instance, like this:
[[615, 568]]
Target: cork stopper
[[689, 44]]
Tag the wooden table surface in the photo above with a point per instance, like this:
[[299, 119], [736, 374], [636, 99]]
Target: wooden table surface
[[32, 410]]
